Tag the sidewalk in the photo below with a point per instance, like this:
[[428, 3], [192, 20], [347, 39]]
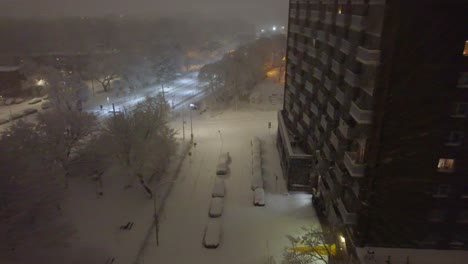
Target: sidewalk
[[98, 220]]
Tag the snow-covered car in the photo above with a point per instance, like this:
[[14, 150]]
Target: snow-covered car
[[259, 197], [18, 100], [34, 101], [218, 188], [212, 236], [222, 169], [216, 207]]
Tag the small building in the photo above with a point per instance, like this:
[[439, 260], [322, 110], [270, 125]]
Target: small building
[[10, 81]]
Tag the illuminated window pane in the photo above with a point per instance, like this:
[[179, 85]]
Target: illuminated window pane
[[445, 164], [465, 50]]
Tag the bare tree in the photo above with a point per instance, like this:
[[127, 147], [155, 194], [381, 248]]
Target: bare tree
[[30, 195], [141, 139], [314, 246], [104, 70], [165, 70]]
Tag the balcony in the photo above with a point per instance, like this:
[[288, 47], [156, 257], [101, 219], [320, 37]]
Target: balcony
[[324, 188], [332, 218], [302, 98], [352, 78], [314, 15], [302, 14], [309, 87], [324, 58], [331, 111], [314, 109], [317, 133], [338, 173], [358, 23], [290, 84], [295, 29], [329, 84], [339, 96], [354, 168], [300, 129], [308, 32], [321, 35], [346, 130], [345, 46], [334, 140], [349, 218], [340, 20], [361, 116], [298, 78], [368, 56], [306, 119], [318, 74], [312, 51], [323, 123], [321, 97], [293, 12], [328, 18], [337, 68], [306, 66], [327, 152], [333, 40], [300, 47]]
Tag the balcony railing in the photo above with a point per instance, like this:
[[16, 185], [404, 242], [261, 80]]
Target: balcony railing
[[334, 140], [306, 66], [326, 151], [317, 133], [321, 97], [349, 218], [298, 78], [347, 131], [318, 74], [361, 116], [350, 161], [352, 78], [368, 56], [314, 109], [329, 85], [358, 23], [331, 110], [345, 46], [339, 96], [324, 58], [332, 218], [321, 35], [312, 51], [328, 18], [340, 20], [338, 173], [308, 32], [293, 58], [309, 87], [333, 40], [337, 67]]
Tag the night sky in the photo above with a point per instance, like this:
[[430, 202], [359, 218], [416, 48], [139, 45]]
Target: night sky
[[257, 11]]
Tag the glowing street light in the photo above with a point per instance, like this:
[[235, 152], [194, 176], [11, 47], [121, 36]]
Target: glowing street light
[[282, 27], [262, 30], [41, 82], [274, 28]]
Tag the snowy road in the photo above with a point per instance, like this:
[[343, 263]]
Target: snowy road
[[250, 234]]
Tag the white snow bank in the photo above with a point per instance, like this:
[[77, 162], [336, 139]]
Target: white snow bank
[[216, 207], [212, 235], [259, 197], [218, 188]]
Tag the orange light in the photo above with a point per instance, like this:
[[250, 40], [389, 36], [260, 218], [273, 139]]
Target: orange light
[[465, 50]]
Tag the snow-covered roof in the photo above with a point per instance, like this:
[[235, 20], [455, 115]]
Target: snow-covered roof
[[294, 151], [9, 68], [378, 255]]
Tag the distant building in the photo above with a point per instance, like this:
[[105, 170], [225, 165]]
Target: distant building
[[10, 81], [375, 119]]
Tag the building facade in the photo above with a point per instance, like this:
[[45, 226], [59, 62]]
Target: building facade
[[376, 99]]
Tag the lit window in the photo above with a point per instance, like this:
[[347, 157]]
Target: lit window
[[339, 9], [460, 110], [446, 165], [465, 50], [442, 191]]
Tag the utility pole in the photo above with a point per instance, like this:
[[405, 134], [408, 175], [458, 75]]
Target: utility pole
[[191, 127], [156, 220]]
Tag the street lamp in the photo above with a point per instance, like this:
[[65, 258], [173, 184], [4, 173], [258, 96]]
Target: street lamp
[[274, 28]]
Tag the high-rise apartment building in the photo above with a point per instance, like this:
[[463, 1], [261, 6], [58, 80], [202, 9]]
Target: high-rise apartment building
[[375, 118]]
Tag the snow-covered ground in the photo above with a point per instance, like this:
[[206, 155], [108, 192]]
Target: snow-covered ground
[[249, 234]]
